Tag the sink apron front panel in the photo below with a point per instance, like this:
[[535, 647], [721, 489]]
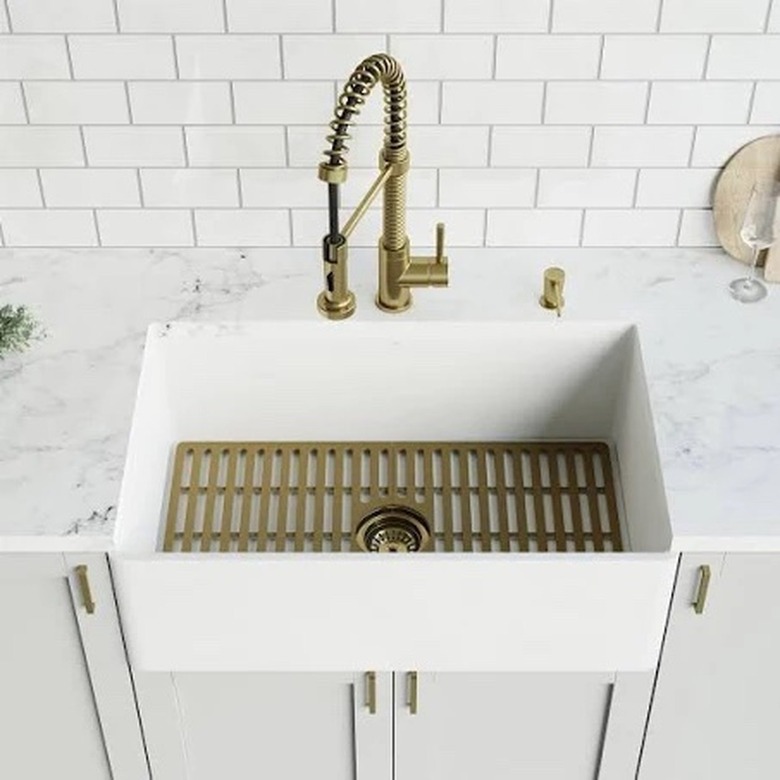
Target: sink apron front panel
[[299, 612]]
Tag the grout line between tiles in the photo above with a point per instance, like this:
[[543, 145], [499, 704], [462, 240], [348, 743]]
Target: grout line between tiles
[[387, 43], [544, 104], [286, 144], [489, 146], [281, 58], [2, 236], [591, 144], [290, 226], [24, 103], [333, 15], [537, 184], [751, 102], [8, 16], [97, 227], [550, 16], [693, 145], [494, 67], [635, 196], [485, 228], [660, 15], [441, 102], [768, 15], [117, 25], [176, 69], [600, 69], [707, 58], [225, 16], [649, 93], [232, 94], [441, 16], [186, 148], [581, 241], [240, 189], [40, 187], [194, 227], [141, 198], [69, 56], [129, 104], [679, 228], [83, 145]]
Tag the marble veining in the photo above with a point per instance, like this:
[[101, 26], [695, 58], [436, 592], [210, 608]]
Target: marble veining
[[713, 364]]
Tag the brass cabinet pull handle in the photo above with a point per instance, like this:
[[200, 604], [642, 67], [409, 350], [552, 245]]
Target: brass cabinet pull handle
[[413, 692], [86, 591], [371, 692], [701, 589]]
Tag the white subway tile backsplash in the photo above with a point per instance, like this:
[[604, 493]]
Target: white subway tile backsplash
[[90, 187], [766, 106], [690, 103], [76, 102], [744, 57], [242, 227], [538, 227], [465, 227], [33, 57], [630, 227], [581, 187], [697, 228], [122, 56], [38, 146], [144, 227], [645, 147], [595, 103], [134, 146], [11, 104], [279, 16], [228, 56], [654, 56], [548, 56], [171, 15], [176, 103], [469, 16], [189, 187], [280, 187], [422, 104], [42, 16], [281, 102], [327, 56], [450, 147], [48, 227], [236, 146], [487, 187], [19, 188], [492, 102], [301, 188], [444, 56], [714, 145], [676, 187], [605, 16], [713, 15], [395, 16], [546, 146]]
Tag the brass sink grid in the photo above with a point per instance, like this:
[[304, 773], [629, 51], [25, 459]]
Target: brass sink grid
[[398, 270], [552, 292], [393, 497]]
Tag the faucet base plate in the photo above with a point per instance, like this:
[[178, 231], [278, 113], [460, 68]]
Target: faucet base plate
[[336, 311]]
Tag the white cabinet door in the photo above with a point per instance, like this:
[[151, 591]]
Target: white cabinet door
[[66, 702], [716, 708], [285, 726], [510, 726]]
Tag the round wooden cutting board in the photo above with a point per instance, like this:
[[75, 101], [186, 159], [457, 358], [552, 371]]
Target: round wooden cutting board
[[756, 162]]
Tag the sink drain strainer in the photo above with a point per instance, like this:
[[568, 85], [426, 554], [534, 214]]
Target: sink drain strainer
[[393, 529]]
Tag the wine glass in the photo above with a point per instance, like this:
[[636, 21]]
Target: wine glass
[[759, 231]]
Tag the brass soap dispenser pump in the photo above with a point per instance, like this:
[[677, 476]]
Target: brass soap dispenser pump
[[398, 270]]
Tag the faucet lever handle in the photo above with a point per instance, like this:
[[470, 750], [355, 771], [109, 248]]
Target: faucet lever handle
[[439, 242]]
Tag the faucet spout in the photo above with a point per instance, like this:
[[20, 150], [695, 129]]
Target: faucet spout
[[398, 271]]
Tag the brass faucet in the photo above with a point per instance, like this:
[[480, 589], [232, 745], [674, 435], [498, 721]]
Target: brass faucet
[[398, 270], [552, 292]]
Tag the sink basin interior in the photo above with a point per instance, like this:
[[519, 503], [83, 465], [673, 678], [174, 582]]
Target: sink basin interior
[[389, 382]]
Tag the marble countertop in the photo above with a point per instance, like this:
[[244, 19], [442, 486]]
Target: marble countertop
[[65, 405]]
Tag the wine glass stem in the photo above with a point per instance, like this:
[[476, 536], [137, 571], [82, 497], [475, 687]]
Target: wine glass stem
[[752, 272]]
